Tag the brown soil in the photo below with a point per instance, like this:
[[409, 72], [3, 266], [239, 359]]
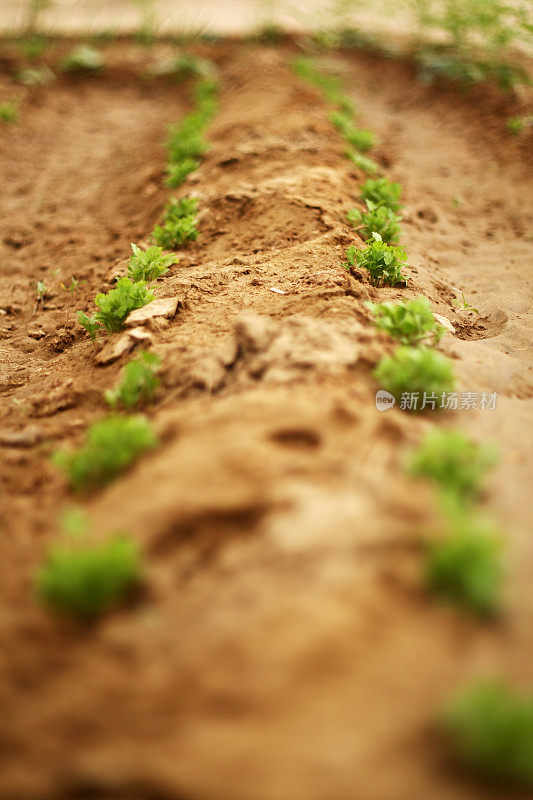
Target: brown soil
[[284, 646]]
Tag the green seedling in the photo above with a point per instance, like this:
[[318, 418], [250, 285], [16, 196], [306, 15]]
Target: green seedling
[[35, 76], [342, 102], [269, 34], [74, 285], [83, 59], [184, 67], [9, 111], [147, 265], [360, 139], [365, 164], [490, 727], [383, 262], [138, 383], [179, 223], [186, 141], [177, 173], [419, 372], [463, 305], [110, 447], [33, 47], [466, 567], [454, 462], [516, 125], [204, 95], [382, 192], [307, 71], [91, 324], [83, 579], [376, 219], [115, 306], [41, 291], [411, 321]]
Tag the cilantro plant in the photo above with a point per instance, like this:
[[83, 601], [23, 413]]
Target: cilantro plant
[[138, 383], [147, 265], [9, 111], [383, 262], [35, 76], [189, 66], [490, 727], [84, 579], [112, 444], [179, 223], [115, 306], [466, 567], [415, 371], [463, 304], [516, 125], [454, 462], [204, 96], [91, 324], [410, 321], [176, 173], [382, 192], [186, 140], [360, 139], [42, 290], [367, 165], [376, 219], [33, 47], [83, 59]]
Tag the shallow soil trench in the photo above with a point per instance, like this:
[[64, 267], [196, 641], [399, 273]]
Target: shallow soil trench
[[284, 646]]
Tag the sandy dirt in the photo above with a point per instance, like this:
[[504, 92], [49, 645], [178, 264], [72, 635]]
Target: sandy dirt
[[284, 646]]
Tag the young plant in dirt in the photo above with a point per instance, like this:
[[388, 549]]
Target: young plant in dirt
[[41, 291], [179, 223], [111, 445], [147, 265], [462, 304], [9, 111], [115, 306], [454, 462], [420, 373], [490, 728], [204, 96], [376, 219], [382, 192], [383, 262], [365, 164], [186, 140], [84, 579], [91, 324], [410, 321], [35, 76], [516, 125], [33, 47], [138, 384], [83, 59], [177, 173], [360, 139], [188, 66], [73, 286], [466, 567]]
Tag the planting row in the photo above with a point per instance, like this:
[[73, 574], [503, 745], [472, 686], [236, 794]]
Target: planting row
[[490, 725], [80, 578]]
